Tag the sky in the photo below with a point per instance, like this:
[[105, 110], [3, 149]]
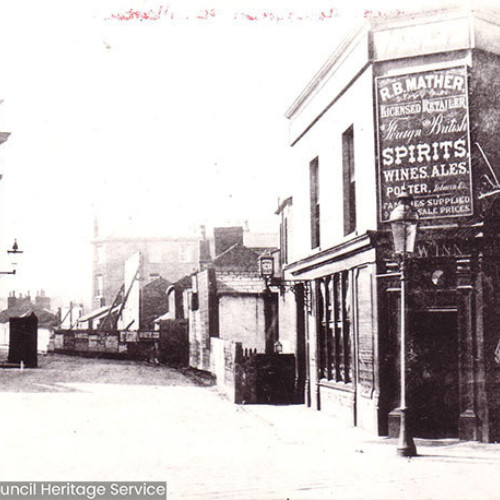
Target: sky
[[153, 116]]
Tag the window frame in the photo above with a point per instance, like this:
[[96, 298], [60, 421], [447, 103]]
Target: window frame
[[334, 328]]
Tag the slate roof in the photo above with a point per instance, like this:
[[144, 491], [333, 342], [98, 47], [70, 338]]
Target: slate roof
[[158, 284], [237, 258], [184, 282]]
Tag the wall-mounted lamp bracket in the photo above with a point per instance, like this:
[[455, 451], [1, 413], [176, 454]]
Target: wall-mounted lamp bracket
[[293, 286]]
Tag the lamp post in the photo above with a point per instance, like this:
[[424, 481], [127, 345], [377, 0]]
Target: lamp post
[[404, 222], [14, 253]]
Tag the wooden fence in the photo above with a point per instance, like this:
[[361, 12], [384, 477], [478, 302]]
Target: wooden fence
[[105, 344], [248, 377], [169, 345]]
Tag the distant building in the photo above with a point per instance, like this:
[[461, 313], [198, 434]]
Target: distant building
[[153, 302], [177, 305], [69, 315], [170, 258], [131, 312], [102, 318]]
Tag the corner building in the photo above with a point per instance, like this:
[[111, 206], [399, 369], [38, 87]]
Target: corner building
[[407, 101]]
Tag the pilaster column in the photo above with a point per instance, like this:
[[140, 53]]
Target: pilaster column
[[468, 426]]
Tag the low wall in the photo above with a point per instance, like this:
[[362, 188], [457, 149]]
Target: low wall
[[222, 362], [217, 364]]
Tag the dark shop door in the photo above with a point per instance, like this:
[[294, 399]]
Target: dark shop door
[[433, 374]]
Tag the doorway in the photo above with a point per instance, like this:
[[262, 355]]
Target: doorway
[[271, 320], [432, 375]]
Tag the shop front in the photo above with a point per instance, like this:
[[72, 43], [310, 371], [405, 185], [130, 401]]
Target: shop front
[[342, 330], [453, 346], [452, 374]]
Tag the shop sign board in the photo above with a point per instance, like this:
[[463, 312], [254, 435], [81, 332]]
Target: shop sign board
[[424, 143]]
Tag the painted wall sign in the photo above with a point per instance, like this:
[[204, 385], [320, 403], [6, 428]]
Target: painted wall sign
[[423, 142]]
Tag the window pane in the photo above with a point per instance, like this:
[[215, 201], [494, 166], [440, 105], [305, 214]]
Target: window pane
[[339, 316], [322, 329], [331, 329], [347, 328]]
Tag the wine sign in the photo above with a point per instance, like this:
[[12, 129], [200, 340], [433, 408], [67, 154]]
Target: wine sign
[[423, 142]]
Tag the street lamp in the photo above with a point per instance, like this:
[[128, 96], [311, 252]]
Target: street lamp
[[266, 267], [404, 222], [14, 254], [278, 347]]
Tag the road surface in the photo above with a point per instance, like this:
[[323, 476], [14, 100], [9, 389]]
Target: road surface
[[78, 419]]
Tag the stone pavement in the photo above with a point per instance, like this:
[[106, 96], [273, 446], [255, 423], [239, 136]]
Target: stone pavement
[[206, 448], [345, 462]]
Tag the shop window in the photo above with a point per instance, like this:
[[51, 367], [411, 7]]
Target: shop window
[[334, 328], [349, 181], [314, 197]]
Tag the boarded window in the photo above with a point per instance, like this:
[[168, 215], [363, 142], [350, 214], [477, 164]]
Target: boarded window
[[314, 195]]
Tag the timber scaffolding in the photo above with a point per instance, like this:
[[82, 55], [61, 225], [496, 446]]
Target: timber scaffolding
[[109, 333], [107, 340]]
